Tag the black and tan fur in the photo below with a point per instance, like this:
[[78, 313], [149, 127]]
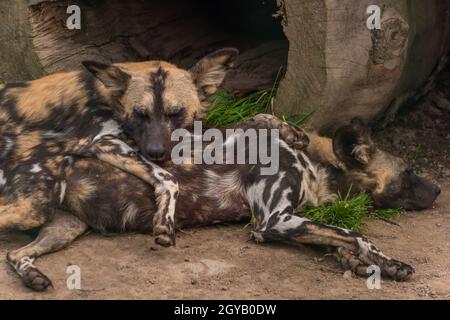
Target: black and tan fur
[[104, 198], [83, 112]]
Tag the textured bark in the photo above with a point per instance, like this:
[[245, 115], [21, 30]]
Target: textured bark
[[17, 58], [341, 69]]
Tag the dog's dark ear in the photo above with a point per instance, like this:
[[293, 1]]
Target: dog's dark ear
[[353, 144], [113, 78], [210, 71]]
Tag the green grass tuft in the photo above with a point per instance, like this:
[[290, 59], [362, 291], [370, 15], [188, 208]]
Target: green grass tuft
[[227, 108], [345, 213], [349, 213]]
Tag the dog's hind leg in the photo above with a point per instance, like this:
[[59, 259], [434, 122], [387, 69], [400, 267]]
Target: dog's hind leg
[[273, 208], [62, 230]]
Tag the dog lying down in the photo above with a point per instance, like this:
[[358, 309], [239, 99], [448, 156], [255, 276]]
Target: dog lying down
[[312, 170]]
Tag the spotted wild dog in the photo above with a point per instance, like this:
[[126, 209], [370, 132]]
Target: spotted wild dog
[[312, 170], [68, 112]]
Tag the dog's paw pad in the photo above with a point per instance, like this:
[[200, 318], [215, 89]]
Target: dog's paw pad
[[36, 280]]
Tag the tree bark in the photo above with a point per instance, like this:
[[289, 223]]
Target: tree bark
[[18, 60], [341, 69]]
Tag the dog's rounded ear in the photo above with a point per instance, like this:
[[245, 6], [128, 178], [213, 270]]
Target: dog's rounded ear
[[353, 145], [113, 78], [210, 71]]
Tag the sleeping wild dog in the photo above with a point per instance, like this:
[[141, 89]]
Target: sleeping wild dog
[[73, 111], [312, 170]]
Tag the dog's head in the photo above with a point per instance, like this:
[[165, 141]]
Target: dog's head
[[387, 178], [151, 99]]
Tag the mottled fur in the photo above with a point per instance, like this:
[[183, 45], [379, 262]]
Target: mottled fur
[[108, 199], [84, 113]]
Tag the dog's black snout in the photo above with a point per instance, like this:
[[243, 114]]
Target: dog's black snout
[[156, 152]]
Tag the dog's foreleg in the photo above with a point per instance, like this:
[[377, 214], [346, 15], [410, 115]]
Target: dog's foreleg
[[273, 208], [118, 154], [353, 250], [62, 230]]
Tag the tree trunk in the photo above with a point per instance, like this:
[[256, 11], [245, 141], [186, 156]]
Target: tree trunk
[[341, 69], [18, 60], [321, 50]]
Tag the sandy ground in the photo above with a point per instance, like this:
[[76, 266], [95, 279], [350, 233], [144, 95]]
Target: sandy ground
[[218, 262]]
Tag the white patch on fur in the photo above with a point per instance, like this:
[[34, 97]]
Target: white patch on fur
[[276, 186], [284, 202], [2, 179], [8, 146], [129, 216], [361, 153], [316, 191], [255, 196], [62, 194], [52, 134], [24, 264], [69, 159], [124, 148], [110, 127], [285, 226], [36, 168], [365, 248], [222, 187]]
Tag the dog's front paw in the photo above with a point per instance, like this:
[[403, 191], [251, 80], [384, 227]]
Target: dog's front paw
[[30, 275], [397, 270], [165, 234], [360, 262], [296, 139], [36, 280]]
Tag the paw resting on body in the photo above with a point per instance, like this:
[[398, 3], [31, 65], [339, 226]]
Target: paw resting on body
[[296, 139]]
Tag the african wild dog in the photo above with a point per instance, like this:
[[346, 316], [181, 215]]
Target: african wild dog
[[104, 198], [82, 111]]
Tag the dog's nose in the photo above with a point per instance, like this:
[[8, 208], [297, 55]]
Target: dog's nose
[[155, 152]]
